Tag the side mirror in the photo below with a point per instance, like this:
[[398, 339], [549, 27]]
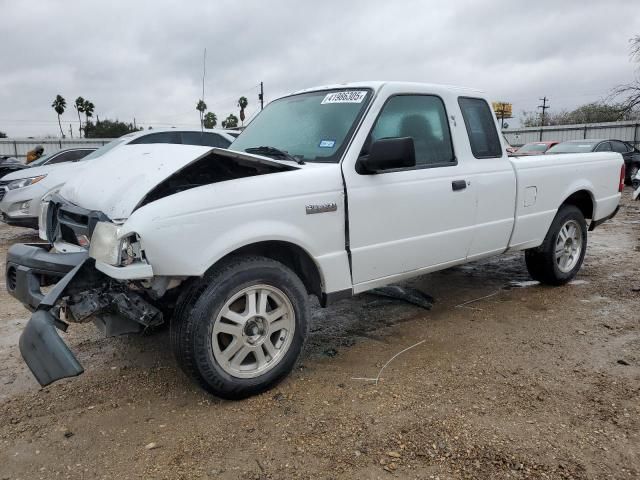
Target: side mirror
[[388, 154]]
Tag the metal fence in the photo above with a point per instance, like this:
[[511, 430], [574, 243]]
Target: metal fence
[[19, 148], [628, 131]]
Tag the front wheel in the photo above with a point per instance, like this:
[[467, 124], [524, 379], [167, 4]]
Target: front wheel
[[560, 256], [242, 327]]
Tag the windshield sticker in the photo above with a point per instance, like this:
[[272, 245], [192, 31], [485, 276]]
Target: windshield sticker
[[352, 96], [327, 143]]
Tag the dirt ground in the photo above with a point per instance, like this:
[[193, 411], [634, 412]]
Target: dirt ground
[[529, 382]]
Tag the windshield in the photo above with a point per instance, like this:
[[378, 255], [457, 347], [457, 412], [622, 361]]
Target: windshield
[[105, 148], [313, 127], [533, 147], [572, 147]]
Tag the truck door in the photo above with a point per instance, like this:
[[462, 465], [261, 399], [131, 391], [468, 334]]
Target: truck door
[[409, 219], [491, 174]]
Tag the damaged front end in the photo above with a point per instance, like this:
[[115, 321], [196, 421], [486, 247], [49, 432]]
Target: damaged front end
[[80, 293]]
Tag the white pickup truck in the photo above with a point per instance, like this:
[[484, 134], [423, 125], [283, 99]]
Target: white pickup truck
[[330, 191]]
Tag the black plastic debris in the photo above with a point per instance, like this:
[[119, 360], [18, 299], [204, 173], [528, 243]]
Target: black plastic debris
[[406, 294]]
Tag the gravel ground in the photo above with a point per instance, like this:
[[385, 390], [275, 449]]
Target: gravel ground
[[529, 382]]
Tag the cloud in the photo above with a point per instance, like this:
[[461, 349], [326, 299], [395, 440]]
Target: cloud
[[143, 59]]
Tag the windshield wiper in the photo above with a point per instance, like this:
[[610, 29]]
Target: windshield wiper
[[274, 152]]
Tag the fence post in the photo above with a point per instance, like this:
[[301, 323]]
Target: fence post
[[15, 148], [635, 135], [585, 132], [540, 134]]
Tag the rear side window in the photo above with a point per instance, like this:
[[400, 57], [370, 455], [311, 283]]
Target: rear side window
[[160, 137], [205, 139], [620, 147], [603, 147], [481, 127]]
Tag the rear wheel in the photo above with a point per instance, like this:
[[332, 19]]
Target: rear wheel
[[633, 171], [242, 328], [560, 256]]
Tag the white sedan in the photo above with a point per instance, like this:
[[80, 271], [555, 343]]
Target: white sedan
[[21, 192]]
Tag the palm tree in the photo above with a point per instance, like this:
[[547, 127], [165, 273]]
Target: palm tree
[[201, 107], [210, 120], [88, 109], [230, 122], [79, 105], [59, 105], [242, 103]]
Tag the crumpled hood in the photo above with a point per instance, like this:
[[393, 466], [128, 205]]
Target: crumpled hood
[[117, 182]]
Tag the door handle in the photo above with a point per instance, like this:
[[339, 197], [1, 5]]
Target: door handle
[[458, 185]]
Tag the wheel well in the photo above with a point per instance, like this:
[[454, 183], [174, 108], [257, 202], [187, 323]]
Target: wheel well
[[581, 199], [293, 256]]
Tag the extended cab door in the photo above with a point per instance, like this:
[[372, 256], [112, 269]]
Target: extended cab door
[[492, 177], [405, 220]]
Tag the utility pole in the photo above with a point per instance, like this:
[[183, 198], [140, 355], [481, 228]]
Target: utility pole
[[261, 96], [544, 107]]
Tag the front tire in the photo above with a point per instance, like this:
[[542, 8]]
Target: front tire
[[242, 327], [560, 256]]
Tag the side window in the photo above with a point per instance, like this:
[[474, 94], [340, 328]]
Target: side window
[[160, 137], [423, 118], [619, 147], [603, 147], [481, 127], [69, 156], [205, 139]]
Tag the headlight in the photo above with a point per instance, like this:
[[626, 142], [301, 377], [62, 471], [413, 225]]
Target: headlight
[[107, 246], [24, 182]]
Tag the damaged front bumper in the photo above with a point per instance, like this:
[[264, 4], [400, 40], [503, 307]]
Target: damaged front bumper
[[81, 292]]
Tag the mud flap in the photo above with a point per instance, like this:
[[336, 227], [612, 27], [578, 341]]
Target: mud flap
[[44, 352], [42, 349]]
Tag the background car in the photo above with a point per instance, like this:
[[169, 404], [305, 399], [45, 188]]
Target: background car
[[21, 192], [10, 164], [535, 148], [630, 154], [66, 155]]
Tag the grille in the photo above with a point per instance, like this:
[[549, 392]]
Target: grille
[[3, 188]]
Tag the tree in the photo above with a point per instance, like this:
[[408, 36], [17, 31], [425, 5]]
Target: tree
[[59, 105], [3, 135], [88, 109], [107, 129], [79, 106], [596, 112], [210, 120], [242, 103], [230, 122], [630, 92], [201, 107]]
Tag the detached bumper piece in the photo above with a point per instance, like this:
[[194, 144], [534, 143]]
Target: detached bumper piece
[[82, 292], [45, 353]]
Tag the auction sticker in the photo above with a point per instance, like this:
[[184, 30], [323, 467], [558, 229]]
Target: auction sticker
[[350, 96]]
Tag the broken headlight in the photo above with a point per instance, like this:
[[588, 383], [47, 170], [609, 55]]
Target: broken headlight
[[109, 247]]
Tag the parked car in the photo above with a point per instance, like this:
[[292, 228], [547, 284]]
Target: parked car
[[62, 156], [380, 186], [630, 154], [10, 164], [534, 148], [21, 192]]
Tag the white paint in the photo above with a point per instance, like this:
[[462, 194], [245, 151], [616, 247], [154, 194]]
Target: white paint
[[401, 224]]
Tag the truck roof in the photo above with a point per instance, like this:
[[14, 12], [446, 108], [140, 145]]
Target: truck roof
[[377, 85]]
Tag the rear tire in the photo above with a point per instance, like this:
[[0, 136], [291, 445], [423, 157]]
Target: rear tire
[[633, 171], [240, 329], [560, 256]]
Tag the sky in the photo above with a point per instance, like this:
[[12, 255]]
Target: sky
[[144, 59]]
